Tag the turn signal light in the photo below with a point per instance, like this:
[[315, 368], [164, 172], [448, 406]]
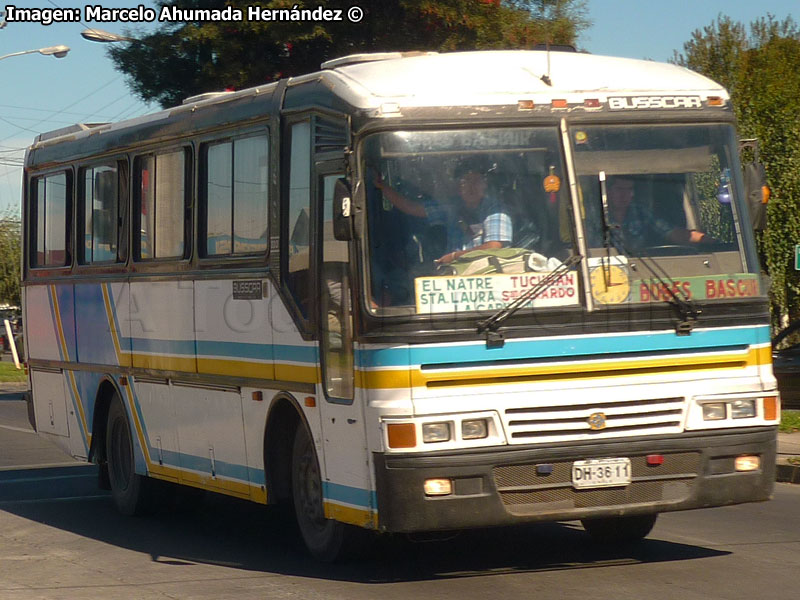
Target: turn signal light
[[771, 408], [715, 101], [559, 103], [402, 435]]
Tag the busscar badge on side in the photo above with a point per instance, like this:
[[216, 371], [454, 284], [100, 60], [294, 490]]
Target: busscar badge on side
[[247, 289]]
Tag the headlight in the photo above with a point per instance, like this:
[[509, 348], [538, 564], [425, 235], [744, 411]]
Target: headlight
[[713, 411], [474, 429], [435, 432], [743, 409]]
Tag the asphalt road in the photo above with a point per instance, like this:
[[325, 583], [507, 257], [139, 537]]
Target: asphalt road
[[60, 538]]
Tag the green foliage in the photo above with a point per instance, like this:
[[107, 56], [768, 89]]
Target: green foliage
[[790, 421], [761, 69], [10, 373], [183, 59], [716, 218], [9, 260]]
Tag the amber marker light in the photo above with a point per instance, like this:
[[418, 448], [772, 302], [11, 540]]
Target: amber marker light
[[402, 435], [559, 103], [715, 101], [771, 408]]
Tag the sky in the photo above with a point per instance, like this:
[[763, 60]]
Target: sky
[[42, 93]]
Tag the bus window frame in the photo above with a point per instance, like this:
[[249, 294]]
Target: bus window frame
[[306, 325], [228, 261], [31, 225], [121, 162], [139, 263]]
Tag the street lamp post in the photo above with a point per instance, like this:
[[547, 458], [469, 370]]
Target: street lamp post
[[57, 51], [98, 35]]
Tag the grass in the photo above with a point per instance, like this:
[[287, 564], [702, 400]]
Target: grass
[[790, 421], [9, 373]]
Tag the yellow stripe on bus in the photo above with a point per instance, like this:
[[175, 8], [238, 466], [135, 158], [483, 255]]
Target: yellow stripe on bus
[[403, 378], [123, 358], [351, 515], [235, 368]]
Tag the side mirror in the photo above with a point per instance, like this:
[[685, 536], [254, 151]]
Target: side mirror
[[757, 194], [342, 211]]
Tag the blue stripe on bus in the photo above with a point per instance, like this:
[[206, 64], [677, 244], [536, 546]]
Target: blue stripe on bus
[[202, 464], [349, 495], [712, 339], [169, 347]]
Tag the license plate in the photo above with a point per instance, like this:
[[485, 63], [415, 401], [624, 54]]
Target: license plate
[[601, 472]]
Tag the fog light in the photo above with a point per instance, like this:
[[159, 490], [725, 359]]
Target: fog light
[[743, 409], [713, 411], [435, 432], [747, 463], [438, 487], [474, 429]]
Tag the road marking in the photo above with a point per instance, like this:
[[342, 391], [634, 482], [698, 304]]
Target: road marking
[[21, 429], [62, 499]]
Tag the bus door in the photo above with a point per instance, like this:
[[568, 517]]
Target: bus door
[[346, 480]]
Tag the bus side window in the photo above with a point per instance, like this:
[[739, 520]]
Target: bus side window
[[99, 206], [297, 238], [161, 189], [235, 197], [51, 199]]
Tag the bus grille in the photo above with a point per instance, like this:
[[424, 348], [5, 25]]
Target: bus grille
[[524, 491], [585, 421]]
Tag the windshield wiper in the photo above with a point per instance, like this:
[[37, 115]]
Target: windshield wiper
[[688, 309], [493, 338]]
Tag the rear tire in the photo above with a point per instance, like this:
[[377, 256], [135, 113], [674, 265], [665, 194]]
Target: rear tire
[[326, 540], [620, 530], [132, 493]]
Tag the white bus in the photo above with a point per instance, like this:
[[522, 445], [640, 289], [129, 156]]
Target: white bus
[[410, 292]]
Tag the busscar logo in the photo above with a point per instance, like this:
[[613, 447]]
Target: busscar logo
[[597, 421], [643, 102]]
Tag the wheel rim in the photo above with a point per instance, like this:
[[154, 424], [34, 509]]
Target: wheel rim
[[309, 488], [121, 459]]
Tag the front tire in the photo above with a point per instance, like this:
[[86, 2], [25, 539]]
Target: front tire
[[620, 530], [326, 540], [131, 492]]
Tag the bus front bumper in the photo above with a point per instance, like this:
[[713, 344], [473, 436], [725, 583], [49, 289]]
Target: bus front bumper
[[509, 485]]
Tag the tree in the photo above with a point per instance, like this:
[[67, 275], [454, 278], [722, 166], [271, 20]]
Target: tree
[[9, 260], [761, 69], [184, 58]]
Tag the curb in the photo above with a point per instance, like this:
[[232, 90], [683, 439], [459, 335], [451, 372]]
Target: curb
[[787, 474]]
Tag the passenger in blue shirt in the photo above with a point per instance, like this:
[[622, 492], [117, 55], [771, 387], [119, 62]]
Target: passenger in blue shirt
[[473, 221]]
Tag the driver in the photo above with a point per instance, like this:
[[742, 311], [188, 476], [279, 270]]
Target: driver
[[640, 227], [473, 220]]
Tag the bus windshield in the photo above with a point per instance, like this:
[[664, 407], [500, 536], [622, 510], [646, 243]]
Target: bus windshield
[[466, 220], [672, 196]]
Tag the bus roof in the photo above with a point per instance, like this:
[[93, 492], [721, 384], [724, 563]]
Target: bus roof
[[485, 78], [507, 76]]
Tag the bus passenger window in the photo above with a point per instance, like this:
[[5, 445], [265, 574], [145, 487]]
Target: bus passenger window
[[162, 198], [51, 196], [236, 197], [100, 204]]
